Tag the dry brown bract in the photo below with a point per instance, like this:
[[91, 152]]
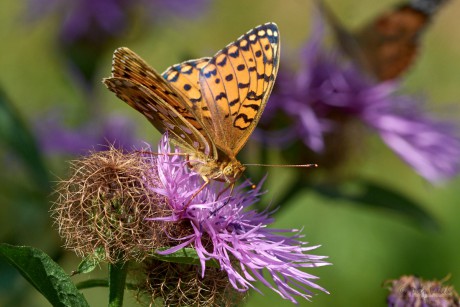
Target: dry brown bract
[[172, 284], [104, 206]]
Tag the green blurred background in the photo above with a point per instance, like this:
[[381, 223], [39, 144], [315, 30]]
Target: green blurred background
[[366, 245]]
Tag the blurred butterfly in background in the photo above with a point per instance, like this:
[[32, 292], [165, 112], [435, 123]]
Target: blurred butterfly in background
[[209, 106], [387, 46]]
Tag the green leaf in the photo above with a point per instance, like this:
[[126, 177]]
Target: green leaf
[[87, 265], [184, 256], [368, 193], [16, 135], [44, 274]]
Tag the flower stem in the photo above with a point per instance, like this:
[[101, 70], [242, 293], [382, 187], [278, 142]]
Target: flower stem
[[117, 280]]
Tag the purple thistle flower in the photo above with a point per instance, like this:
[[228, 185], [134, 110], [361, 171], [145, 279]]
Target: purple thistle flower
[[97, 21], [84, 19], [431, 147], [88, 28], [411, 291], [329, 90], [55, 138], [224, 229]]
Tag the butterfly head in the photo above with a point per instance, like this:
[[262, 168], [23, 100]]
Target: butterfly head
[[232, 170]]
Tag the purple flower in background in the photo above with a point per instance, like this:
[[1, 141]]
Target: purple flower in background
[[55, 138], [226, 230], [430, 146], [329, 90], [96, 21], [411, 291], [88, 28]]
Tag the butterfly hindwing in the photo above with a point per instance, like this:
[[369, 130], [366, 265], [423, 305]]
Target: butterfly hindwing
[[128, 65], [235, 86], [161, 114]]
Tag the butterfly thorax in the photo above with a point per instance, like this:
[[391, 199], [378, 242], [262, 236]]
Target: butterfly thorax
[[228, 170]]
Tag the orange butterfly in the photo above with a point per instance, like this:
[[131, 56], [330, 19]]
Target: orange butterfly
[[209, 106], [389, 44]]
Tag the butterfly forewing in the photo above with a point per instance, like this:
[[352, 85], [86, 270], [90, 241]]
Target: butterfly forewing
[[184, 78], [235, 86], [161, 114]]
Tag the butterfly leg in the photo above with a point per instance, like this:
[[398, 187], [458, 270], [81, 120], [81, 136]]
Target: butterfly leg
[[230, 186], [206, 182]]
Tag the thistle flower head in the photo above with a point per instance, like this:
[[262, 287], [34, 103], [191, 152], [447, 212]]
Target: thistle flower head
[[133, 205], [410, 291], [103, 206], [226, 230], [175, 284]]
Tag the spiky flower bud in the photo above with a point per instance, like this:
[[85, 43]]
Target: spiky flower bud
[[104, 206], [172, 284]]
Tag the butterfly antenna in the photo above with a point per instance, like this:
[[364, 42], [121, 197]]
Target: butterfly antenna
[[285, 165], [252, 185]]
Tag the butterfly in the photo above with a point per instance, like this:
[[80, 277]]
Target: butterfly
[[208, 106], [388, 45]]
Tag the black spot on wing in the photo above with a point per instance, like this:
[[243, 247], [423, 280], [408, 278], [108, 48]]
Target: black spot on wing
[[234, 54], [244, 118], [175, 75], [243, 85], [265, 77], [233, 102], [255, 107], [253, 96], [167, 92], [244, 47], [223, 62], [220, 96], [210, 73], [189, 71]]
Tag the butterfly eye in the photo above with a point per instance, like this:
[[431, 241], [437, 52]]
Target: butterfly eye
[[228, 170]]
